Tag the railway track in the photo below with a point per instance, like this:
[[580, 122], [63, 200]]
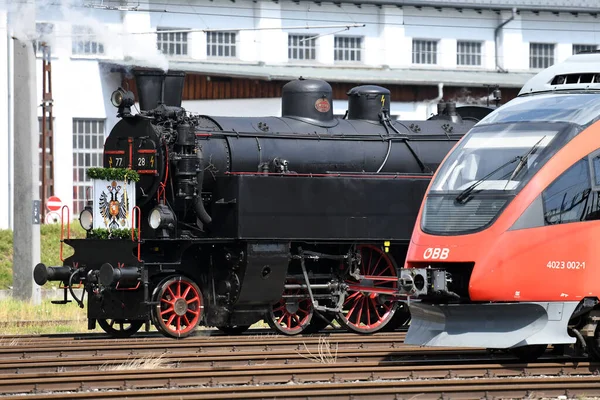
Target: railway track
[[59, 355], [306, 373], [309, 381], [269, 366]]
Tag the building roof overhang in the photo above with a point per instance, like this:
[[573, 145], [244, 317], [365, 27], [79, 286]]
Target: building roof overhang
[[584, 6], [362, 75]]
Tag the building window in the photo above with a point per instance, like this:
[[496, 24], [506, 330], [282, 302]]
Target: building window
[[172, 43], [220, 44], [541, 55], [84, 41], [302, 47], [88, 145], [43, 33], [347, 48], [424, 52], [468, 53], [578, 48]]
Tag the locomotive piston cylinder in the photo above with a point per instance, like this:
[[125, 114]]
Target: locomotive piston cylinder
[[110, 275]]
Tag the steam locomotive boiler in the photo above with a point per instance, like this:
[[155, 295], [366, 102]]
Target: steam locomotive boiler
[[224, 221]]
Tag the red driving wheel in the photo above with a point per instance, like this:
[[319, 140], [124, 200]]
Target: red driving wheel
[[291, 316], [364, 311], [179, 308]]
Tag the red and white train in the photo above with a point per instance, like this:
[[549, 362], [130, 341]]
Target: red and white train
[[504, 252]]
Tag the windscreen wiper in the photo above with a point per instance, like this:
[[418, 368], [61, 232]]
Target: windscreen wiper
[[462, 196], [524, 159]]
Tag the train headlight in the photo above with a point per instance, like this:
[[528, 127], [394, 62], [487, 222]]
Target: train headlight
[[117, 97], [161, 217], [86, 219], [123, 100]]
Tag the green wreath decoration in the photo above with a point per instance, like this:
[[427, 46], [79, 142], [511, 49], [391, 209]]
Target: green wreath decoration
[[105, 234], [115, 174]]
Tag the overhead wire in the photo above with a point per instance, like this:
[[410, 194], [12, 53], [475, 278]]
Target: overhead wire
[[370, 6], [321, 12]]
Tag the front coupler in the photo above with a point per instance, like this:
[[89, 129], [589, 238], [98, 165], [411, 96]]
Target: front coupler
[[425, 282]]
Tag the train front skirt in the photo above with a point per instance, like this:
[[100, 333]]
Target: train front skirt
[[491, 325]]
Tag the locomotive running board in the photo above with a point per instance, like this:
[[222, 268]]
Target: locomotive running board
[[490, 325]]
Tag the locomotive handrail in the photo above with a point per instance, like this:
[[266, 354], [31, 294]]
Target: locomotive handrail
[[127, 288], [161, 192], [339, 174], [421, 137], [139, 229], [62, 228]]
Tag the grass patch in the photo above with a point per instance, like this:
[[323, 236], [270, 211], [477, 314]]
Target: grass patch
[[324, 355], [21, 318], [24, 318], [148, 362], [50, 249]]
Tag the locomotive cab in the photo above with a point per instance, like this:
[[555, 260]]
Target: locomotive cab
[[501, 253]]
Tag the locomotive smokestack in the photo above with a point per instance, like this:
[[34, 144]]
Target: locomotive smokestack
[[155, 87], [173, 90], [149, 88]]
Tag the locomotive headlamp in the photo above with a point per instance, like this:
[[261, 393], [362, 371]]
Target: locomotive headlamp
[[86, 218], [117, 97], [161, 217], [123, 100], [120, 97]]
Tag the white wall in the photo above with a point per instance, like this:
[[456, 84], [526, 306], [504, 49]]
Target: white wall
[[81, 89]]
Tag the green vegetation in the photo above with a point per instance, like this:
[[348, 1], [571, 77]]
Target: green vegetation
[[116, 174], [23, 318], [50, 247], [101, 233]]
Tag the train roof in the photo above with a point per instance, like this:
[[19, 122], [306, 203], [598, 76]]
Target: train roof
[[578, 72]]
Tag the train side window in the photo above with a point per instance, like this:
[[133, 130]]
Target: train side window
[[596, 169], [594, 202], [567, 199]]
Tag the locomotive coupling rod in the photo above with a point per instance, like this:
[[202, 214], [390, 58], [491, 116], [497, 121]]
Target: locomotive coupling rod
[[313, 255], [316, 305], [313, 286]]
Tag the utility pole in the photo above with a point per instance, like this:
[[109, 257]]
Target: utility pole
[[26, 239], [47, 131]]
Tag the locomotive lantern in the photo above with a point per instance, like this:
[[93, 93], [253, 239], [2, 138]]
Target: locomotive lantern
[[224, 221]]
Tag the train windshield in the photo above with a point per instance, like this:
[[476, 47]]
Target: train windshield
[[576, 108], [505, 148], [497, 157]]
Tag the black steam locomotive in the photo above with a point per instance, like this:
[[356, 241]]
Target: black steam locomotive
[[297, 220]]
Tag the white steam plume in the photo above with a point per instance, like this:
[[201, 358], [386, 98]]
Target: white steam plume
[[120, 45]]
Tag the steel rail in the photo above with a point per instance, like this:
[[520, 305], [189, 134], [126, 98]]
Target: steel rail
[[426, 389], [95, 361], [36, 348], [197, 335]]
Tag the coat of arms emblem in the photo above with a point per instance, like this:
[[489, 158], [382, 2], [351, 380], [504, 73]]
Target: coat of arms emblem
[[114, 206]]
